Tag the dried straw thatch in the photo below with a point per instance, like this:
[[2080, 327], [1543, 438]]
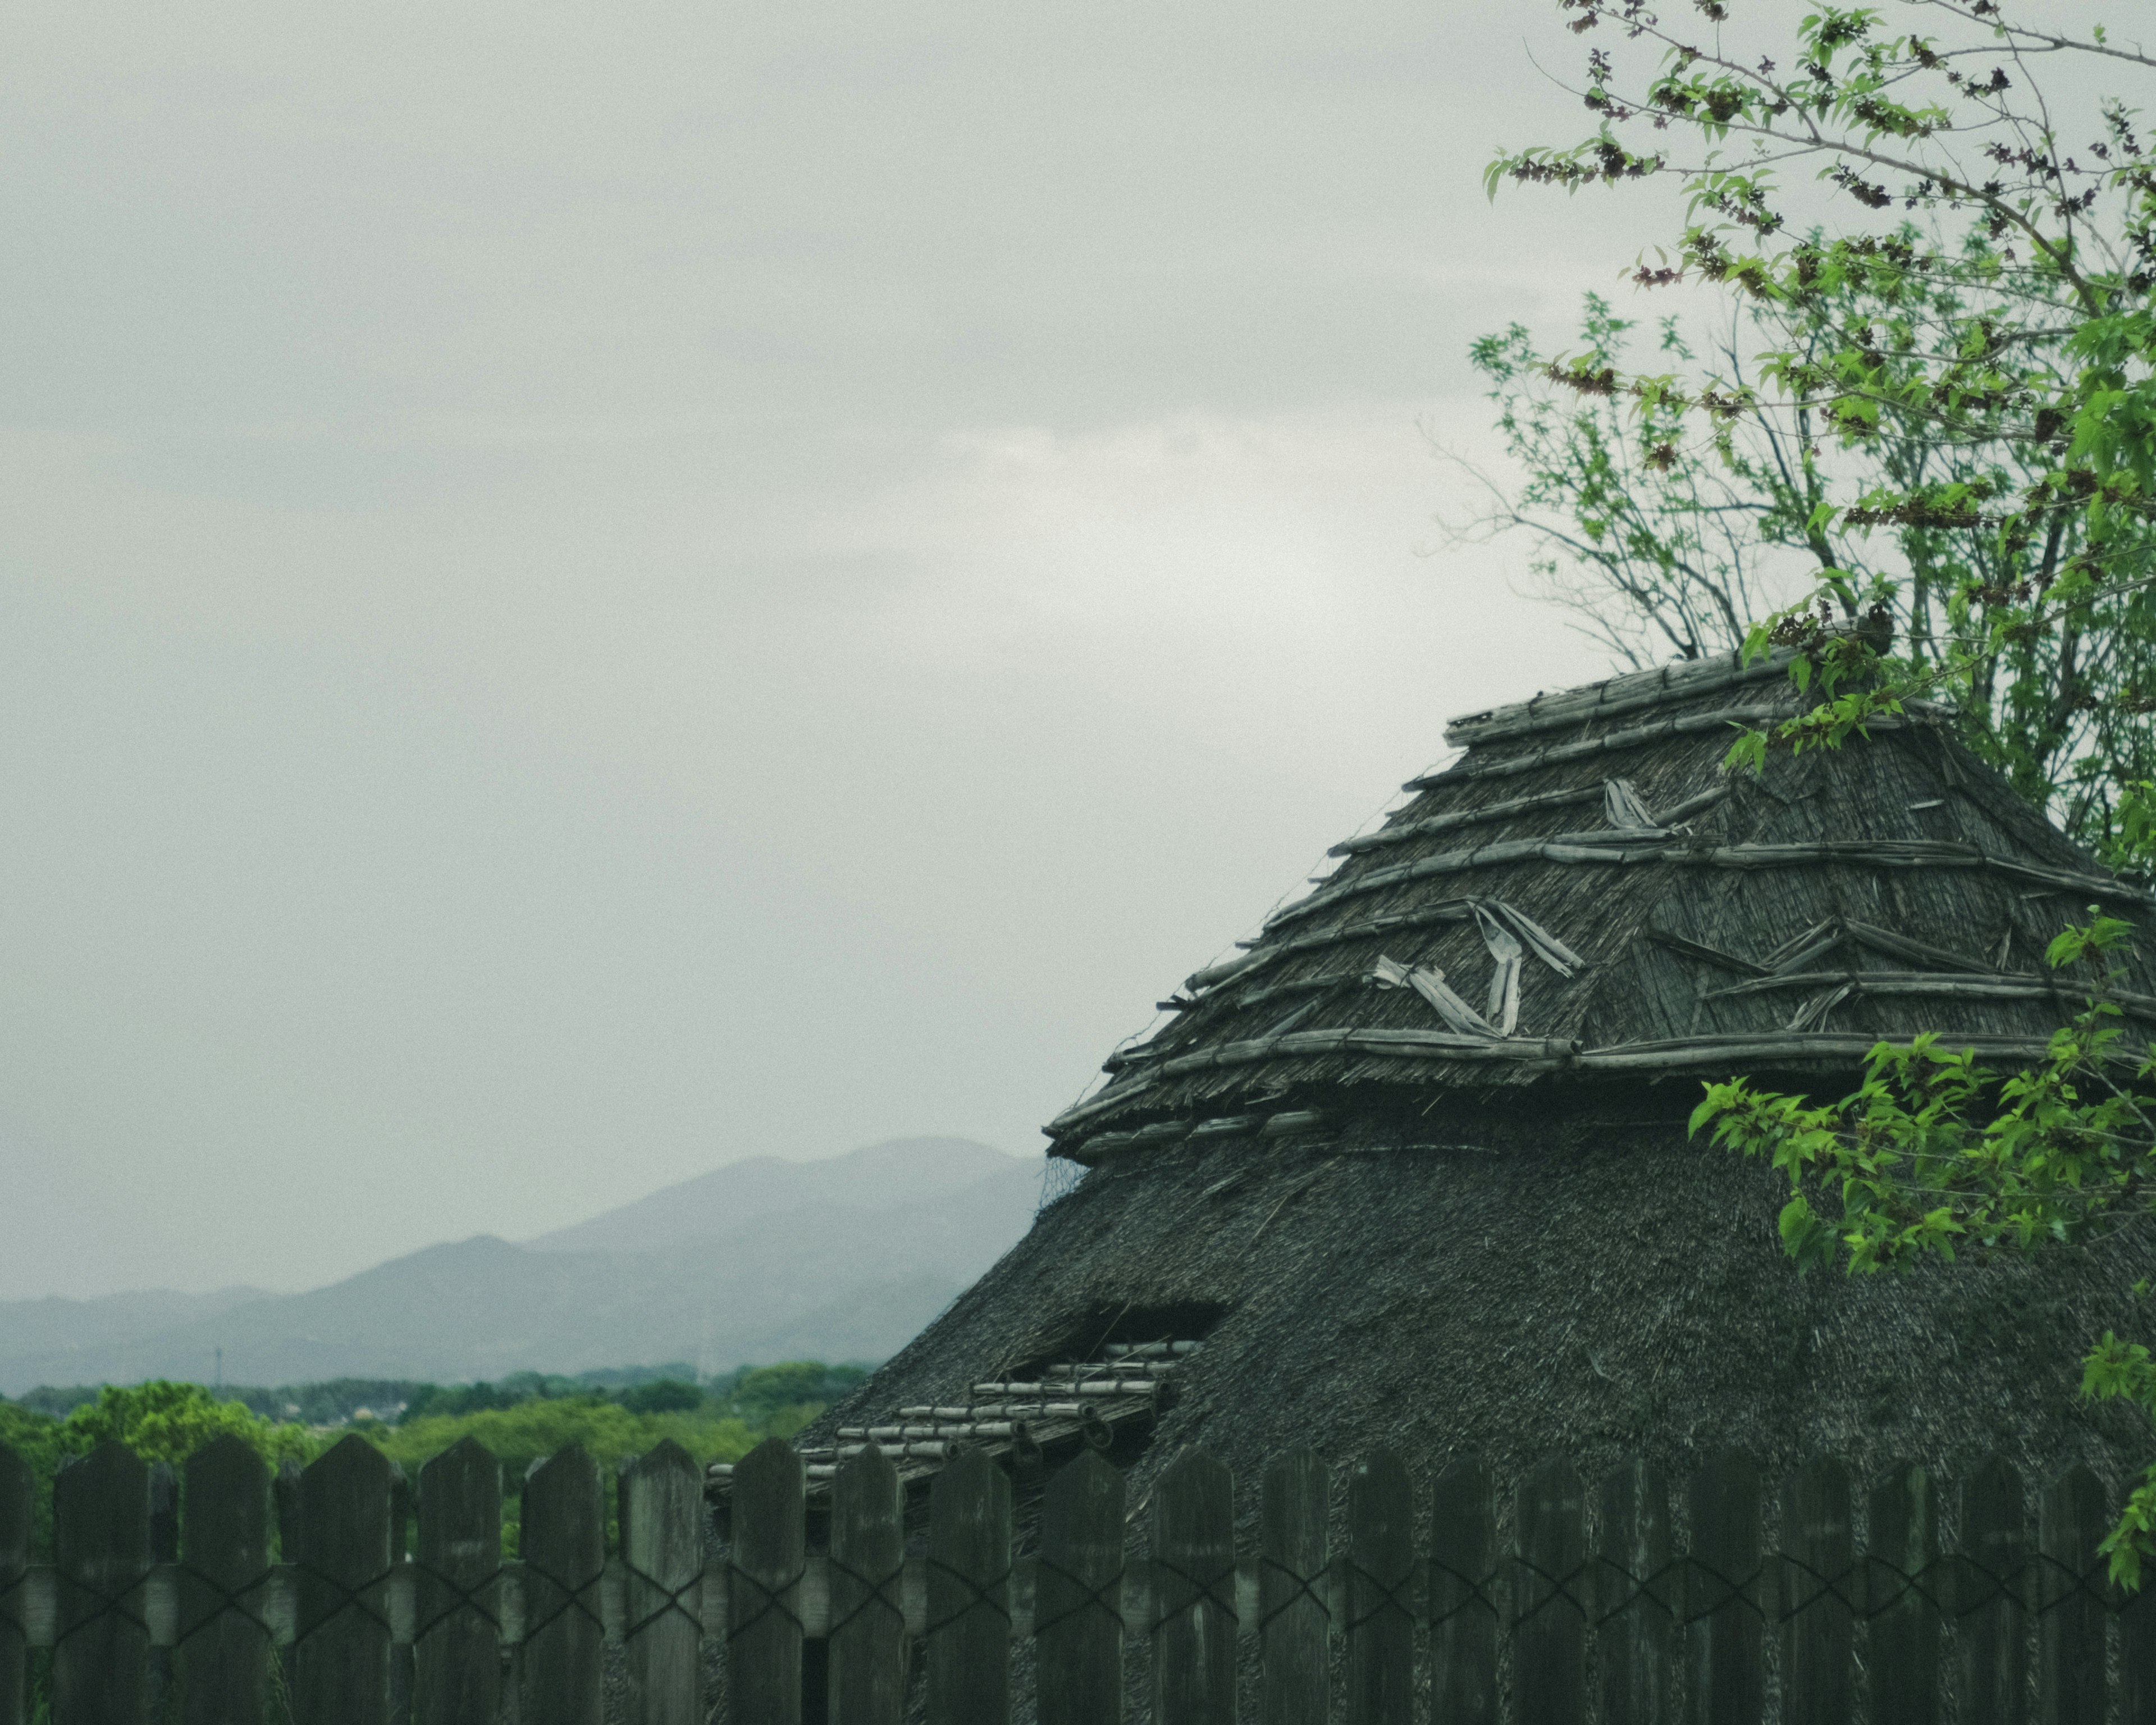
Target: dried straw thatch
[[1415, 1164]]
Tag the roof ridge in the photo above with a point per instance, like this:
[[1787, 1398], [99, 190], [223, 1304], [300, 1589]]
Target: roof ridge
[[1634, 691]]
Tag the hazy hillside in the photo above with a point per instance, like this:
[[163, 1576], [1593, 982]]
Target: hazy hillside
[[763, 1261]]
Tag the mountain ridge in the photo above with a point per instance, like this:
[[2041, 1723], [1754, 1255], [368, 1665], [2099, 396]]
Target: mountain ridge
[[788, 1271]]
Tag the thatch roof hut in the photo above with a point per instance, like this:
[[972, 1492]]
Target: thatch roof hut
[[1413, 1166]]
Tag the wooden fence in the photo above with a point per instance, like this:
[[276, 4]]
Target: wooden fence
[[163, 1597]]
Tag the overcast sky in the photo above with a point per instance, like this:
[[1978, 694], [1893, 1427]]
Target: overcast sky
[[589, 591]]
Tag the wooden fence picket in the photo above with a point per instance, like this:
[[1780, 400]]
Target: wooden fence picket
[[1636, 1645], [2137, 1654], [1293, 1613], [340, 1547], [1819, 1575], [456, 1639], [1077, 1610], [1463, 1605], [1721, 1585], [662, 1559], [1993, 1597], [867, 1660], [1549, 1563], [18, 1520], [1381, 1591], [1193, 1593], [969, 1564], [225, 1551], [562, 1543], [102, 1552], [1902, 1588], [2070, 1686], [763, 1627]]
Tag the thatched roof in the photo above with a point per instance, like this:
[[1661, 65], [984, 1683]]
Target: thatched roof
[[1391, 1228], [1585, 892]]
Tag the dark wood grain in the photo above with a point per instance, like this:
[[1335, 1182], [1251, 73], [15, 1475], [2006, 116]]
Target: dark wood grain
[[340, 1546], [1381, 1593], [1550, 1632], [1634, 1589], [562, 1542], [662, 1553], [1819, 1575], [969, 1560], [1463, 1610], [456, 1662], [1902, 1584], [101, 1550], [18, 1525], [224, 1543], [1194, 1549], [868, 1646], [1993, 1629], [1724, 1643], [1293, 1550], [1078, 1600], [2070, 1685]]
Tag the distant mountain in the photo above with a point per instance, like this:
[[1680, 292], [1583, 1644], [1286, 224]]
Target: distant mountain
[[760, 1261]]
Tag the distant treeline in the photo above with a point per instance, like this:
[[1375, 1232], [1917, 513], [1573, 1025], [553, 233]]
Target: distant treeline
[[614, 1415], [755, 1395]]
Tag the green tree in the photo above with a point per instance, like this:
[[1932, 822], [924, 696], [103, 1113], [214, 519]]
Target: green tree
[[1947, 423]]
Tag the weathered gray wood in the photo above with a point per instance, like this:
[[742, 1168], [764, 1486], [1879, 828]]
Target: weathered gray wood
[[1293, 1552], [1902, 1584], [101, 1550], [18, 1525], [456, 1663], [1463, 1610], [1635, 1646], [1992, 1628], [1549, 1633], [224, 1546], [1722, 1586], [1193, 1605], [1818, 1574], [1381, 1593], [969, 1563], [164, 1548], [340, 1547], [1077, 1608], [2070, 1686], [562, 1543], [867, 1658], [662, 1553]]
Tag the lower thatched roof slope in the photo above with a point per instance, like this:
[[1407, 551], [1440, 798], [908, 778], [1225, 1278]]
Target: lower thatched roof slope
[[1517, 1284], [1586, 892]]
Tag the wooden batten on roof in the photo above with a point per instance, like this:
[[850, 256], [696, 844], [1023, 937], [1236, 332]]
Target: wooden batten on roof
[[1707, 922]]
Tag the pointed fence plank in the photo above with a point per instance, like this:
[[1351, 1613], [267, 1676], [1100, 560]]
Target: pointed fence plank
[[867, 1659], [1549, 1565], [101, 1550], [1463, 1607], [17, 1524], [969, 1563], [341, 1548], [662, 1553], [2071, 1689], [456, 1667], [1078, 1596], [1992, 1628], [1818, 1579], [224, 1646], [1293, 1616], [1381, 1601], [562, 1542], [1635, 1645], [1902, 1584], [1193, 1593], [1721, 1585], [763, 1627]]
